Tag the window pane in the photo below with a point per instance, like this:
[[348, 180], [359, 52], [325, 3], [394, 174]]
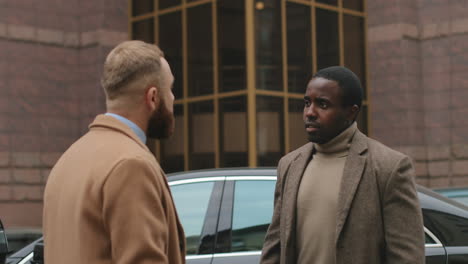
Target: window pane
[[170, 41], [354, 47], [191, 201], [297, 134], [328, 53], [252, 212], [172, 149], [200, 53], [329, 2], [140, 7], [299, 46], [428, 239], [354, 4], [201, 119], [270, 126], [362, 119], [231, 42], [233, 130], [143, 30], [168, 3], [268, 45]]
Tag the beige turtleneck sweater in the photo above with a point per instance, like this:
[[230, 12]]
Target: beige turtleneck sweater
[[317, 200]]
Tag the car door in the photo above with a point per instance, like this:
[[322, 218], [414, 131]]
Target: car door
[[197, 202], [245, 215], [435, 251]]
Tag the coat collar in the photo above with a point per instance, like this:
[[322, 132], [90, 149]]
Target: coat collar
[[354, 167], [352, 174], [109, 122]]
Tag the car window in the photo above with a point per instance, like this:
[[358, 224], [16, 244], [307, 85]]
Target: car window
[[252, 211], [429, 240], [191, 202]]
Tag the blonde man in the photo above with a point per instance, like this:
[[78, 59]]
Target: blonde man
[[107, 199]]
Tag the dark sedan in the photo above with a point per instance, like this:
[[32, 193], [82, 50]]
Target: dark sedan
[[226, 212]]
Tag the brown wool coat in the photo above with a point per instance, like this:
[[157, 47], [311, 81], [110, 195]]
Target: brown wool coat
[[107, 201], [379, 219]]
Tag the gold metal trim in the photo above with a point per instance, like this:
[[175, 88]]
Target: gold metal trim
[[340, 32], [170, 10], [326, 7], [284, 42], [185, 88], [251, 100], [214, 23]]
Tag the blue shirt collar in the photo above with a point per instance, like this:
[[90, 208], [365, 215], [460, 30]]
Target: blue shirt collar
[[136, 129]]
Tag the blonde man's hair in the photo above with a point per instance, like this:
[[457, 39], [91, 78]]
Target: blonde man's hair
[[131, 67]]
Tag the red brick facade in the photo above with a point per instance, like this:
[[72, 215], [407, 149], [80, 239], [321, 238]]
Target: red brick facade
[[51, 57], [418, 57]]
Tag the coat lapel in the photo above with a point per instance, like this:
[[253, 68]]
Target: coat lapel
[[353, 170], [293, 180]]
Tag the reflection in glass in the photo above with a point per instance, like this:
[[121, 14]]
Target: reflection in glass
[[172, 148], [191, 201], [450, 229], [362, 119], [270, 127], [299, 46], [231, 43], [200, 53], [328, 53], [268, 45], [168, 3], [354, 53], [233, 131], [201, 120], [252, 211], [357, 5], [329, 2], [297, 134], [170, 41], [143, 30], [140, 7]]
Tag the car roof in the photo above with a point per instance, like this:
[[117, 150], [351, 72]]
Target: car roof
[[429, 199], [265, 171]]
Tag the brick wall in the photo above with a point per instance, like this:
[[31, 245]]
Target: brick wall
[[51, 56], [418, 59]]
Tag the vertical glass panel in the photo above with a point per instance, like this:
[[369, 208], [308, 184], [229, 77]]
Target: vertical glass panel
[[329, 2], [201, 120], [170, 41], [168, 3], [252, 211], [233, 131], [231, 44], [270, 134], [268, 45], [354, 51], [299, 46], [297, 134], [200, 50], [172, 149], [191, 201], [354, 4], [140, 7], [328, 53], [143, 30], [362, 120]]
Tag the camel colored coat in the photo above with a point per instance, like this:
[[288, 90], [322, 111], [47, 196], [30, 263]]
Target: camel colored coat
[[379, 219], [107, 201]]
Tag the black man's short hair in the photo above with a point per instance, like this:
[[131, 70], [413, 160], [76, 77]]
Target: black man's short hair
[[348, 82]]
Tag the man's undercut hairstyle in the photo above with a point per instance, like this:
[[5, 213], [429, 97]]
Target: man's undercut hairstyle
[[348, 82], [131, 66]]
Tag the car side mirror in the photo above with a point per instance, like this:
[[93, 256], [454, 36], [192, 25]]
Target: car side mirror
[[3, 245]]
